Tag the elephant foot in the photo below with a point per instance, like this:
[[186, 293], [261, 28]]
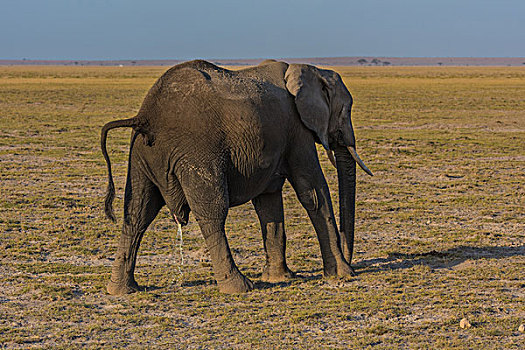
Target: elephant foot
[[279, 274], [237, 283], [345, 270], [122, 287], [342, 270]]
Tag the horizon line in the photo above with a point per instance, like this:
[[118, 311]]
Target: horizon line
[[327, 61], [246, 58]]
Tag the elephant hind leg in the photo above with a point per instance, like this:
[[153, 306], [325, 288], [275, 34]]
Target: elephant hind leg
[[206, 190], [142, 202], [269, 208], [229, 279]]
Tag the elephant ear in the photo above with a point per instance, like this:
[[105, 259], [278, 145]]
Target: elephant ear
[[310, 90]]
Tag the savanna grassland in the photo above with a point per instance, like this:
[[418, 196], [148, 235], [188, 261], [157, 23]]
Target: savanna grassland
[[440, 232]]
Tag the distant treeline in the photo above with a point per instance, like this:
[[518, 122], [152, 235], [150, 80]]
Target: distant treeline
[[324, 61]]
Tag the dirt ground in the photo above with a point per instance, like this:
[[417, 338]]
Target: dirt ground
[[439, 234]]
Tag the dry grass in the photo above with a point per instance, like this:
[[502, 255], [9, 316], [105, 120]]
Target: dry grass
[[440, 228]]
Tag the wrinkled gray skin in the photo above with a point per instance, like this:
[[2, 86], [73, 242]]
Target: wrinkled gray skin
[[207, 139]]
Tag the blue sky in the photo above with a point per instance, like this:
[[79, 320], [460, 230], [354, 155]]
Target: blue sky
[[162, 29]]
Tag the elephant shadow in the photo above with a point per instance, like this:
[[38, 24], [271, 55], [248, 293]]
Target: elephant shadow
[[434, 259], [437, 259], [257, 283]]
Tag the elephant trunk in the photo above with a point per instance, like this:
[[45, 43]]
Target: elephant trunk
[[346, 174]]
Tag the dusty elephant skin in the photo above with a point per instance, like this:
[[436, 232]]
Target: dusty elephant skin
[[207, 139]]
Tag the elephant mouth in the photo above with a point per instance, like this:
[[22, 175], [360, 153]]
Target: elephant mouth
[[355, 156], [358, 160], [351, 149]]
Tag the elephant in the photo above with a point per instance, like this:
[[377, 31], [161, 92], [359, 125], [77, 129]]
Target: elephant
[[207, 138]]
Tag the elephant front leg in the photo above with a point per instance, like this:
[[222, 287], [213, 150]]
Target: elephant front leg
[[318, 204], [269, 208], [309, 183], [142, 202]]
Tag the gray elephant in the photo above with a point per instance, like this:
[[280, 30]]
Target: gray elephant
[[206, 139]]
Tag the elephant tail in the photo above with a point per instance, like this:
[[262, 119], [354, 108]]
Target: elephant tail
[[110, 193]]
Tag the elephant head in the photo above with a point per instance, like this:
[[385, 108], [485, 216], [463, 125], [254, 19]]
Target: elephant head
[[324, 105]]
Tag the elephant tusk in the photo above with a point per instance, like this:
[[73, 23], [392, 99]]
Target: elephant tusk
[[358, 160], [330, 155]]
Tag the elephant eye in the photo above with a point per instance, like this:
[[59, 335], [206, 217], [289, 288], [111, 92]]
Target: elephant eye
[[341, 112], [326, 94]]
